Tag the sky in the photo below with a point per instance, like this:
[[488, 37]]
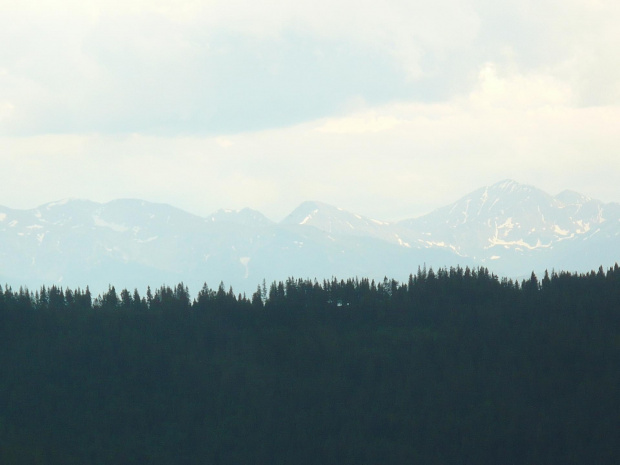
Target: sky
[[387, 109]]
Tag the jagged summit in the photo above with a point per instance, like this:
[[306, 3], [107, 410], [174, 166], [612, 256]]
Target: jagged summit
[[66, 201], [569, 197], [335, 220], [509, 218], [484, 206], [312, 211], [510, 185]]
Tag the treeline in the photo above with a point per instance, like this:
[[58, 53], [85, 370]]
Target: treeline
[[456, 285], [454, 366]]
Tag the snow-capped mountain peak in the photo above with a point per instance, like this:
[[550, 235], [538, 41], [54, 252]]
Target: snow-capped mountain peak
[[513, 220], [334, 220]]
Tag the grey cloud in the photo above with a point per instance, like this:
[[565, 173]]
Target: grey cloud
[[213, 67], [223, 71]]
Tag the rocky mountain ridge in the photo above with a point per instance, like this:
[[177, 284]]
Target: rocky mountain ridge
[[509, 227]]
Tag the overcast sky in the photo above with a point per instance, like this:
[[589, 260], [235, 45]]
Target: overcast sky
[[388, 109]]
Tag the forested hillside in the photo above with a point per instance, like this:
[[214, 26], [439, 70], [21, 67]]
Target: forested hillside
[[455, 366]]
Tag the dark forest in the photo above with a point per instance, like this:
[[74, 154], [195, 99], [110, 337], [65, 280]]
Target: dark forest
[[455, 366]]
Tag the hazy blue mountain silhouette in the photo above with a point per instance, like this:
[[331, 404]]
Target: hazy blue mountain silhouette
[[509, 227]]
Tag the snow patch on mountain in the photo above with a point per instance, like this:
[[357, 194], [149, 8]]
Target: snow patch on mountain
[[58, 203], [148, 239], [245, 262], [105, 224], [583, 227], [506, 227], [401, 242], [309, 217], [495, 241]]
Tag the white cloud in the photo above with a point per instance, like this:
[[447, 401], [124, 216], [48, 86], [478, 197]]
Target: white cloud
[[359, 124], [6, 109], [389, 109], [149, 66], [519, 91], [194, 66], [388, 162]]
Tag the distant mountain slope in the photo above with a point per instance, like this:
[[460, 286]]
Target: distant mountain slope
[[515, 225], [339, 222], [510, 227]]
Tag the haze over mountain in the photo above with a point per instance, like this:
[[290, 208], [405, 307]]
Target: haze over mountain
[[510, 228]]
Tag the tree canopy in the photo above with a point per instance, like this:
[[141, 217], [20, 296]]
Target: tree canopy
[[454, 366]]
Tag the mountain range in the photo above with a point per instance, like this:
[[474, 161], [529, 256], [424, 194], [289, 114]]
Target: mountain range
[[511, 228]]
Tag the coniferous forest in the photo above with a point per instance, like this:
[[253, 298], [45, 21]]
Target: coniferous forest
[[455, 366]]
